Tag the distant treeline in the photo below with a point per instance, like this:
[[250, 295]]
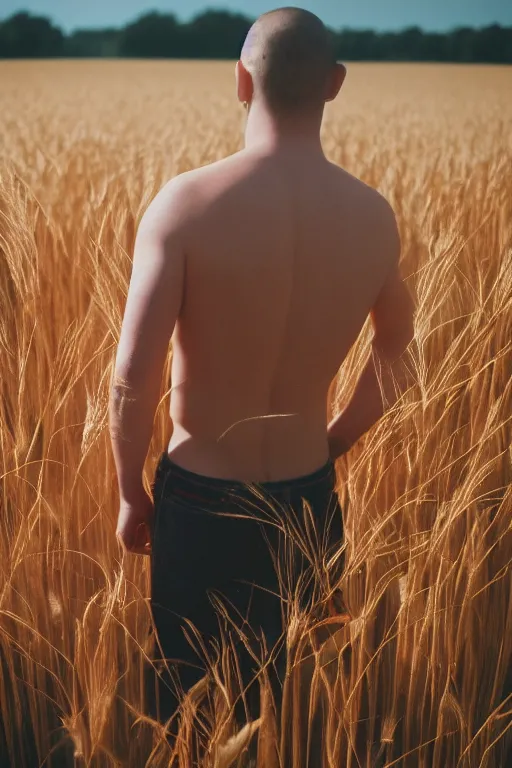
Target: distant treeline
[[220, 34]]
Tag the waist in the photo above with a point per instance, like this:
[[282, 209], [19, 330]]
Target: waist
[[192, 489], [255, 450]]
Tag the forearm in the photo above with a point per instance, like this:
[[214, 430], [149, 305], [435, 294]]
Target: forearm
[[132, 411], [375, 393]]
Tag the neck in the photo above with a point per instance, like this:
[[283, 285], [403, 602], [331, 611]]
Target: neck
[[266, 132]]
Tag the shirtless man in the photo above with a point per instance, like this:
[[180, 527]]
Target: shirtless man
[[263, 267]]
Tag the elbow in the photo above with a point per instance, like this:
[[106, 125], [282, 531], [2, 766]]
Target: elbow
[[120, 389], [131, 390], [122, 392], [127, 382], [115, 407]]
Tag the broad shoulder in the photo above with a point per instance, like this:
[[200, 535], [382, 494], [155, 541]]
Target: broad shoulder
[[374, 206], [170, 208], [377, 223], [182, 199], [363, 192]]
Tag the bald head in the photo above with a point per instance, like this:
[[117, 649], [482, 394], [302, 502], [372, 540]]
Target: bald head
[[290, 56]]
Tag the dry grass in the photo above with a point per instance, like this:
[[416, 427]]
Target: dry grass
[[424, 678]]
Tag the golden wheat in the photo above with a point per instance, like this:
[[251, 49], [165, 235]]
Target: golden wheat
[[421, 675]]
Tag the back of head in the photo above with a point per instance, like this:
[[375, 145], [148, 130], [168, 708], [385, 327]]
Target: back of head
[[290, 55]]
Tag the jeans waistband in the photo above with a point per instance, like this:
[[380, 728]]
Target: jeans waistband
[[193, 488]]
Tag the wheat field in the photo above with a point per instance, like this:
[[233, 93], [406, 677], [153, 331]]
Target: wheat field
[[421, 676]]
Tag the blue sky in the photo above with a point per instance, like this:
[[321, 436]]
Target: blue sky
[[375, 14]]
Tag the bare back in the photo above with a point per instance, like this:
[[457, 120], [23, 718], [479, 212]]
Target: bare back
[[285, 257]]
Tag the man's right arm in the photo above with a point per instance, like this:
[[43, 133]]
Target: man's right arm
[[386, 374]]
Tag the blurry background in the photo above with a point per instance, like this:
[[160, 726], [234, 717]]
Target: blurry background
[[459, 31]]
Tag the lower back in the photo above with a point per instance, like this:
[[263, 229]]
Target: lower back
[[232, 435]]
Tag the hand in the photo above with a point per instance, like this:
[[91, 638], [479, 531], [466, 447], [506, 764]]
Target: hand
[[135, 525]]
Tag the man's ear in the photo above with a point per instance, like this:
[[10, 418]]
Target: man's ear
[[336, 81], [244, 84]]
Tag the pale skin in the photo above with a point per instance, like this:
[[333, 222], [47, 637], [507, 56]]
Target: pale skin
[[263, 268]]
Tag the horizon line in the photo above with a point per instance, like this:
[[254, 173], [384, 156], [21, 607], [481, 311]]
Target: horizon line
[[218, 9]]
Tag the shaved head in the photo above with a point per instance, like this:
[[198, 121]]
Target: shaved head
[[290, 55]]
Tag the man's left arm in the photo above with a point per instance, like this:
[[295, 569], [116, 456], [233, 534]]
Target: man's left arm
[[152, 308]]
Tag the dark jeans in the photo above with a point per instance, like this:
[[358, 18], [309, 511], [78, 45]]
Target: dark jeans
[[216, 537]]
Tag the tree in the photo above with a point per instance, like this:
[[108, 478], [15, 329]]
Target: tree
[[217, 35], [100, 43], [493, 45], [357, 45], [153, 35], [434, 46], [23, 36], [460, 44], [409, 44]]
